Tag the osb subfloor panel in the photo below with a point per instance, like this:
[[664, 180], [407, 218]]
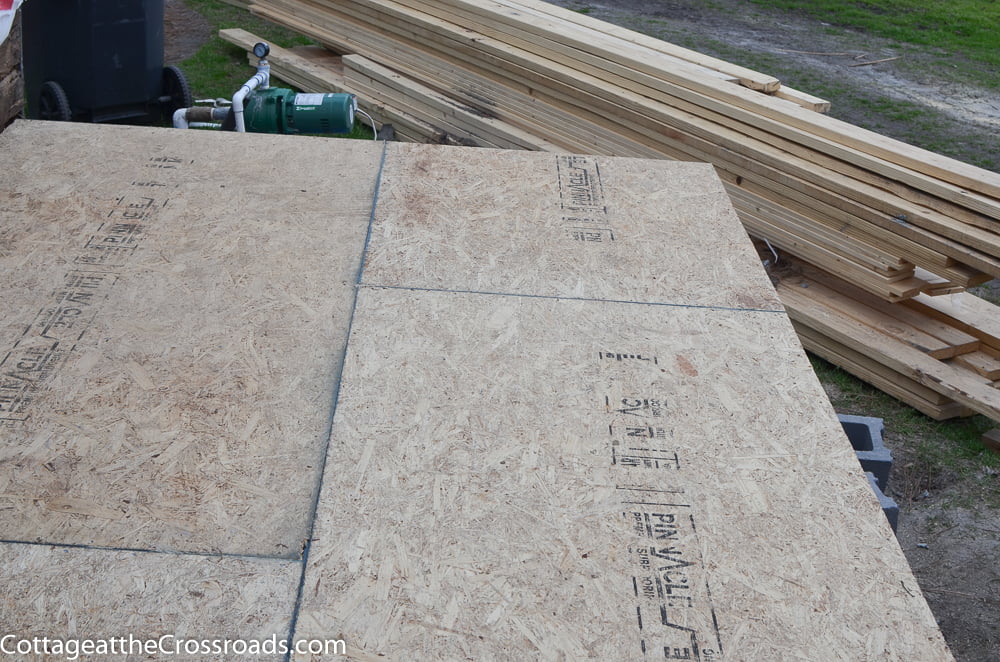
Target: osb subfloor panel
[[174, 318], [72, 593], [566, 226], [589, 480], [573, 421]]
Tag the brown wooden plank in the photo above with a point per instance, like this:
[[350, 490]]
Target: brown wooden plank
[[888, 288], [861, 360], [851, 228], [833, 239], [434, 107], [983, 363], [960, 341], [893, 328], [803, 99], [902, 388], [965, 311], [964, 387]]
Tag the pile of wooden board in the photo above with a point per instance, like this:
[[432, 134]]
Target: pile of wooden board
[[893, 221], [941, 355]]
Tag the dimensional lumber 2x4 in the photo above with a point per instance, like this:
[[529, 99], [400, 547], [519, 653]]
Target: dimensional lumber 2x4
[[826, 135], [815, 307]]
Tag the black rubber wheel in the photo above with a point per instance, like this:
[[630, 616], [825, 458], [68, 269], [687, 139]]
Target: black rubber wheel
[[176, 87], [53, 104]]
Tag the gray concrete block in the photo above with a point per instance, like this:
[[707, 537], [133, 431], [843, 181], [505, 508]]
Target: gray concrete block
[[889, 506], [865, 435]]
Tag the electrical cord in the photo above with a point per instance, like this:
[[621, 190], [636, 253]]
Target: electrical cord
[[370, 121], [773, 252]]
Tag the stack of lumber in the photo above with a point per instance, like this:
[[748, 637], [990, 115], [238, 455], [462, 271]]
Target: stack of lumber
[[892, 221], [940, 355]]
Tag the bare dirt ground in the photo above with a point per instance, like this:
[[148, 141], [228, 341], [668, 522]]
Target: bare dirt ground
[[949, 534], [184, 31], [826, 61]]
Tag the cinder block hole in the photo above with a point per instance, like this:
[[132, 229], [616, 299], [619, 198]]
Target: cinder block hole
[[859, 434]]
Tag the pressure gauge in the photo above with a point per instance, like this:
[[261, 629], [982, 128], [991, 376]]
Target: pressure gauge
[[261, 49]]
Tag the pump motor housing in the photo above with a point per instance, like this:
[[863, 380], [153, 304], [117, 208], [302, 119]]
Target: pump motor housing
[[279, 110]]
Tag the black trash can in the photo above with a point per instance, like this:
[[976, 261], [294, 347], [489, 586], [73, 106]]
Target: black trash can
[[98, 61]]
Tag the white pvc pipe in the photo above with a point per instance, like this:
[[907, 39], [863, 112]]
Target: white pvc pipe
[[261, 79], [180, 118]]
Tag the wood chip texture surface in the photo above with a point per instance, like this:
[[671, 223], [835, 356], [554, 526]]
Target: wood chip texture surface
[[438, 403]]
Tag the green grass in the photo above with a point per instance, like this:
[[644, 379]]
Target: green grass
[[218, 68], [852, 395], [929, 454], [957, 29], [857, 103]]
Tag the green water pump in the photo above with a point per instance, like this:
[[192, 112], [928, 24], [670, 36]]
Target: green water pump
[[277, 110], [259, 108]]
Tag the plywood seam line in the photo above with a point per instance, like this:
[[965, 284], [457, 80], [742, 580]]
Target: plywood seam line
[[371, 218], [325, 451], [165, 552], [523, 295]]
